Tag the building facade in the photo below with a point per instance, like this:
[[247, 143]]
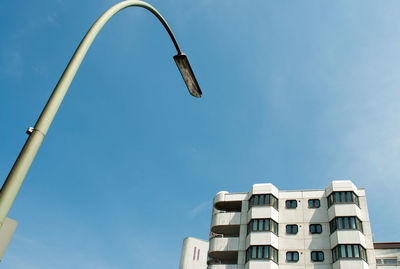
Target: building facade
[[387, 255], [269, 228]]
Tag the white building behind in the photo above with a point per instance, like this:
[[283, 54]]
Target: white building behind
[[311, 229], [194, 254]]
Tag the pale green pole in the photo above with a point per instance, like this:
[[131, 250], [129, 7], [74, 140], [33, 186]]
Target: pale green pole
[[36, 135]]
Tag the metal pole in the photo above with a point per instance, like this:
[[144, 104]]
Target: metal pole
[[36, 135]]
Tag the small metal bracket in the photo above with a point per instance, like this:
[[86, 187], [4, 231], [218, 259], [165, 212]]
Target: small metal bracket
[[30, 130]]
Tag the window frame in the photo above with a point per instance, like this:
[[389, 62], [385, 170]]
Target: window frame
[[291, 204], [291, 226], [318, 257], [273, 226], [268, 199], [267, 252], [315, 226], [339, 223], [343, 197], [292, 255], [312, 203], [348, 252]]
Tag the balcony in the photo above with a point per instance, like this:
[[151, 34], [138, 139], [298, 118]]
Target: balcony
[[226, 223], [229, 202], [223, 250], [221, 244]]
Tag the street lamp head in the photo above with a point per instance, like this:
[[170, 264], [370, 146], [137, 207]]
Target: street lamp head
[[187, 74]]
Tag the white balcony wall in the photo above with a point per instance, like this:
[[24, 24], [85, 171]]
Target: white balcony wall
[[225, 218], [224, 244]]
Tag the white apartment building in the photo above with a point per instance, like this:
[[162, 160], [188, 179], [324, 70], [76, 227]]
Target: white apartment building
[[269, 228]]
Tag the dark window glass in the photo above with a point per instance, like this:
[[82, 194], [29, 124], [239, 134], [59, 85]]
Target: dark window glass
[[346, 223], [254, 252], [255, 222], [266, 252], [343, 197], [353, 223], [267, 226], [262, 252], [263, 200], [291, 203], [292, 229], [315, 228], [349, 252], [356, 252], [317, 256], [337, 197], [343, 251], [314, 203], [262, 225], [292, 256], [341, 223]]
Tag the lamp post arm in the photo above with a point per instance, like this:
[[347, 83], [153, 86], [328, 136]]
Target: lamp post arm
[[36, 135]]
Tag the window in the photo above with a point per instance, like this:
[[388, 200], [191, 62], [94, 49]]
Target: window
[[314, 203], [292, 229], [262, 225], [346, 223], [317, 256], [262, 253], [343, 197], [349, 252], [315, 228], [292, 256], [386, 261], [263, 200], [291, 203]]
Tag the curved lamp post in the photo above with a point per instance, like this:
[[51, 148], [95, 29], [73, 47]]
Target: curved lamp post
[[36, 135]]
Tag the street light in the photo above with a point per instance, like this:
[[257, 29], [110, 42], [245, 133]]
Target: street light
[[36, 134]]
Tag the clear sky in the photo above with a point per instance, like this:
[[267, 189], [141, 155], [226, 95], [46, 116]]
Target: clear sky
[[296, 93]]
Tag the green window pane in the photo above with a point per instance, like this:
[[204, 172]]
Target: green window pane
[[349, 196], [352, 223], [261, 225], [340, 223], [268, 199], [356, 252], [253, 252], [266, 252], [349, 251], [343, 196], [343, 251], [255, 224], [337, 197], [267, 225], [260, 252], [346, 223]]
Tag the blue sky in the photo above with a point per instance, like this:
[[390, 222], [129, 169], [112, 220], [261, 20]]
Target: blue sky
[[296, 93]]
